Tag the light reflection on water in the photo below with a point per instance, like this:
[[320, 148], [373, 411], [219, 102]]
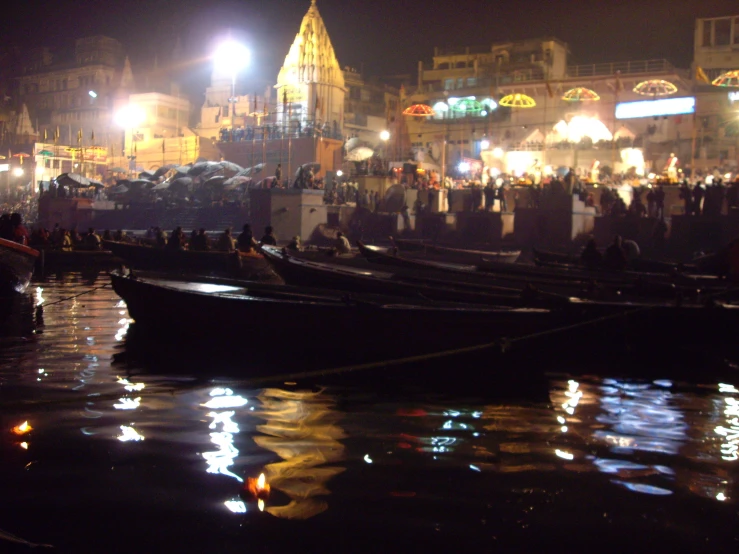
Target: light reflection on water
[[321, 448]]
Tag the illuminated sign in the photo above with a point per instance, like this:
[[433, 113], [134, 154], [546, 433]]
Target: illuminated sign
[[734, 96], [654, 108]]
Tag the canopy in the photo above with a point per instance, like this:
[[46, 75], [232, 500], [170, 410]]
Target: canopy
[[236, 182], [315, 166], [230, 168], [162, 170], [517, 100], [203, 167], [215, 181], [250, 170], [655, 87], [467, 105], [146, 174]]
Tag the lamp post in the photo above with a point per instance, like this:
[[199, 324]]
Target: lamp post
[[130, 117], [230, 57], [384, 137]]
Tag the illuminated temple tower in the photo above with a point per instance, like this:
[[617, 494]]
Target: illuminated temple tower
[[310, 85]]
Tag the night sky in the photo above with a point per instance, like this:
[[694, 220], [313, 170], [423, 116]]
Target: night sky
[[382, 36]]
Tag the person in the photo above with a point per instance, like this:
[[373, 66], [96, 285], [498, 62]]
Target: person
[[278, 174], [615, 257], [342, 244], [161, 238], [176, 240], [269, 236], [20, 233], [199, 242], [631, 249], [225, 241], [295, 244], [245, 241], [591, 257], [107, 236], [92, 240], [501, 197], [66, 240], [687, 197], [698, 193], [659, 202]]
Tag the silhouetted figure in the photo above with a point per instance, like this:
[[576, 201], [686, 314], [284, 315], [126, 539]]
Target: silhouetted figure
[[591, 257], [269, 236], [199, 242], [245, 241], [615, 257]]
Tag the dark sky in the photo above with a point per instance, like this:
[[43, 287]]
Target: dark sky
[[383, 36]]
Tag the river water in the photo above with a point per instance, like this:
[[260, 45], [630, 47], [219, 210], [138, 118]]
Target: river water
[[120, 458]]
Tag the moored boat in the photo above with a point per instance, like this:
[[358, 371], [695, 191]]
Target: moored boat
[[250, 265], [454, 255], [17, 263], [287, 324], [545, 258]]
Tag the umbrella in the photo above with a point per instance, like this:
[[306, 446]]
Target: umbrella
[[265, 183], [96, 183], [119, 189], [73, 180], [162, 170], [580, 94], [203, 167], [146, 174], [655, 87], [359, 154], [181, 182], [140, 183], [728, 79], [215, 181], [353, 143], [419, 110], [235, 182], [164, 185], [315, 166], [517, 100], [250, 171], [230, 167]]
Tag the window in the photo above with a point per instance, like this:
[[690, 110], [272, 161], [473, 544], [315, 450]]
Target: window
[[444, 65], [722, 32], [736, 30], [448, 84], [460, 82], [64, 84], [707, 31], [471, 81], [460, 64]]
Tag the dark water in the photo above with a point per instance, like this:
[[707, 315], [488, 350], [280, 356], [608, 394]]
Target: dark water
[[130, 459]]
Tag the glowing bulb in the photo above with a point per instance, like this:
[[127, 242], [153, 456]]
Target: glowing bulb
[[484, 144], [720, 497], [464, 167], [24, 445], [384, 135], [498, 152], [339, 173], [260, 505], [231, 57]]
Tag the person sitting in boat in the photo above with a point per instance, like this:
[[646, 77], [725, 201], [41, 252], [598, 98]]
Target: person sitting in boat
[[199, 242], [20, 233], [92, 240], [177, 240], [295, 244], [342, 245], [226, 241], [161, 238], [66, 240], [107, 236], [269, 236], [120, 236], [591, 257], [631, 249], [615, 257], [245, 241]]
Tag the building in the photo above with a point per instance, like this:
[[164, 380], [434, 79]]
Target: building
[[716, 45], [69, 97], [550, 125]]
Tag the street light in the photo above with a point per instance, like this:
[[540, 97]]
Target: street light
[[231, 57], [129, 117], [18, 172]]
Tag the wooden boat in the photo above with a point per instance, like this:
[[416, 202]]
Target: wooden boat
[[53, 258], [389, 256], [188, 261], [17, 263], [454, 255], [408, 284], [545, 258], [300, 326]]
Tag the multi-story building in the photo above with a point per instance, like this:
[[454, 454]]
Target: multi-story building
[[716, 46], [73, 97], [550, 125]]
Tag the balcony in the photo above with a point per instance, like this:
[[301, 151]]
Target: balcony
[[626, 68]]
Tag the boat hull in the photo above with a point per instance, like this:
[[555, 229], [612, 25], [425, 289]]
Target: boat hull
[[454, 255], [17, 263]]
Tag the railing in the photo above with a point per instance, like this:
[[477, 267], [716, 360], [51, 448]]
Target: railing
[[275, 132], [639, 66]]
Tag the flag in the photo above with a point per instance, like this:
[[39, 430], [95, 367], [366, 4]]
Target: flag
[[56, 134], [163, 146], [701, 76], [79, 136], [92, 136], [46, 136], [619, 84], [550, 92]]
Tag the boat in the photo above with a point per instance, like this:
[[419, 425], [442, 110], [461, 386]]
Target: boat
[[17, 263], [389, 256], [455, 255], [545, 258], [252, 265], [55, 258], [304, 326]]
